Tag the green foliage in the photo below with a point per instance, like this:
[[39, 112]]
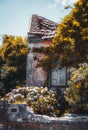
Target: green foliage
[[76, 93], [41, 100], [13, 62]]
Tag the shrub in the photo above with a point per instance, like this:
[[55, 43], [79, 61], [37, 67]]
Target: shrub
[[41, 100], [77, 91], [44, 102]]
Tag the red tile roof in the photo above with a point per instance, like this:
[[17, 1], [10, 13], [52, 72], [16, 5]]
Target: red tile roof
[[42, 26]]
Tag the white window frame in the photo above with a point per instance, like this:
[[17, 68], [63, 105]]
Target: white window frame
[[57, 75]]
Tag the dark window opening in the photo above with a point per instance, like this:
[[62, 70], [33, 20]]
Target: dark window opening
[[14, 110]]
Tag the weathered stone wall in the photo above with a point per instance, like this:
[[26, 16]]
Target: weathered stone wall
[[20, 117], [65, 125]]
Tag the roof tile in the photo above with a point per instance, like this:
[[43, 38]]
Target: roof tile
[[42, 26]]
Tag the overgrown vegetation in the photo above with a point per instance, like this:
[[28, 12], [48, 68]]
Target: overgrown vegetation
[[41, 100], [12, 63], [69, 48], [71, 40], [76, 93]]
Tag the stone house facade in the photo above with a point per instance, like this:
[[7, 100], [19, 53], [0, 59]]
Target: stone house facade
[[40, 34]]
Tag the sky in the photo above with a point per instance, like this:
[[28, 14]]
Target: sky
[[15, 15]]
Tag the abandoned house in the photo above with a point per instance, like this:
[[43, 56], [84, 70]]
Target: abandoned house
[[40, 34]]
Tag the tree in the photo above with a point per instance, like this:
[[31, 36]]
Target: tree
[[13, 62], [69, 48], [70, 44], [71, 40]]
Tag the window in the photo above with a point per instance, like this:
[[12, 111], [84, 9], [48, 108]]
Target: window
[[62, 76], [14, 110], [58, 76]]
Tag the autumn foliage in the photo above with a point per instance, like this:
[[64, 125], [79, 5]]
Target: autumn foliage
[[41, 100], [12, 62], [71, 40], [76, 93]]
